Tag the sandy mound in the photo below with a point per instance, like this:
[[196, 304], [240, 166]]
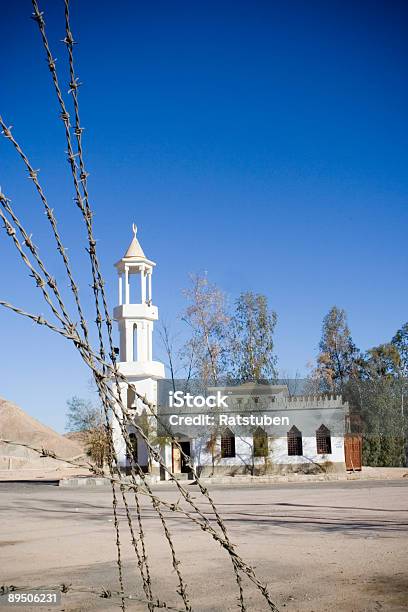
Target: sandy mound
[[17, 426]]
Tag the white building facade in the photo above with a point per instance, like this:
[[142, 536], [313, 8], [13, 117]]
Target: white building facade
[[309, 436], [262, 430]]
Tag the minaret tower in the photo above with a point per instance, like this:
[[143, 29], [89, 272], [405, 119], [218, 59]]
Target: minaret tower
[[135, 315]]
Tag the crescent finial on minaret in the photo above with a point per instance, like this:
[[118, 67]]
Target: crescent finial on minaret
[[134, 248]]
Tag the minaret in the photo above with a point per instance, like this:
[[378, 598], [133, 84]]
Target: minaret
[[135, 315]]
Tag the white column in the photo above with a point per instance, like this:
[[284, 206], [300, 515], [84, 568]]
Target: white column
[[143, 284], [149, 277], [126, 286], [120, 289]]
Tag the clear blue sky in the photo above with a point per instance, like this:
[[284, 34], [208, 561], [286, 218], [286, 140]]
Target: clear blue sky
[[264, 142]]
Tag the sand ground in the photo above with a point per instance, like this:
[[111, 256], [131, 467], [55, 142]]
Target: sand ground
[[320, 546]]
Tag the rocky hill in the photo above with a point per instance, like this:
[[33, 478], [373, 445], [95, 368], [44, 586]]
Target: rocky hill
[[18, 426]]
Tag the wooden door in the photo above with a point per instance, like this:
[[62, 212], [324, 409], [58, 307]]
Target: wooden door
[[353, 451]]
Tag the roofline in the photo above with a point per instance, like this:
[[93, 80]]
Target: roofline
[[127, 260]]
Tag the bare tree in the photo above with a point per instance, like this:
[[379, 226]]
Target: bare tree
[[206, 315], [87, 419], [168, 341]]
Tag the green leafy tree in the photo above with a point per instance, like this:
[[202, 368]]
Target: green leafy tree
[[400, 342], [252, 326], [338, 355], [379, 403], [382, 361]]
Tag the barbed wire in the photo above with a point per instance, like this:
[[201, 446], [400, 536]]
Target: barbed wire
[[128, 419], [103, 371]]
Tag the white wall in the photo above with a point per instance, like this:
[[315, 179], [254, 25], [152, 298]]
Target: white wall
[[277, 452]]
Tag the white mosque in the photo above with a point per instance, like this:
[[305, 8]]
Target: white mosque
[[313, 436]]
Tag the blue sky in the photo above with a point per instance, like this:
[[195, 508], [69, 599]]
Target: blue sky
[[263, 142]]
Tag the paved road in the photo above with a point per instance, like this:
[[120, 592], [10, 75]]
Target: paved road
[[320, 546], [165, 486]]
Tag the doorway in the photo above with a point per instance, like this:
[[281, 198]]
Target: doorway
[[179, 462], [185, 447], [353, 452]]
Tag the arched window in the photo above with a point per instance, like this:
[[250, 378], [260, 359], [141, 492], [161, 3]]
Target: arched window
[[323, 441], [227, 444], [295, 445], [260, 442], [133, 444], [135, 355]]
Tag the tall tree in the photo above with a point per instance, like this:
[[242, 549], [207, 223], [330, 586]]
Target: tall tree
[[251, 355], [378, 402], [338, 354], [206, 315], [382, 361], [400, 341], [377, 396]]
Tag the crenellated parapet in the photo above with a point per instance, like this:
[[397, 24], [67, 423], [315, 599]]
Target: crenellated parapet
[[322, 400], [310, 402], [295, 402]]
